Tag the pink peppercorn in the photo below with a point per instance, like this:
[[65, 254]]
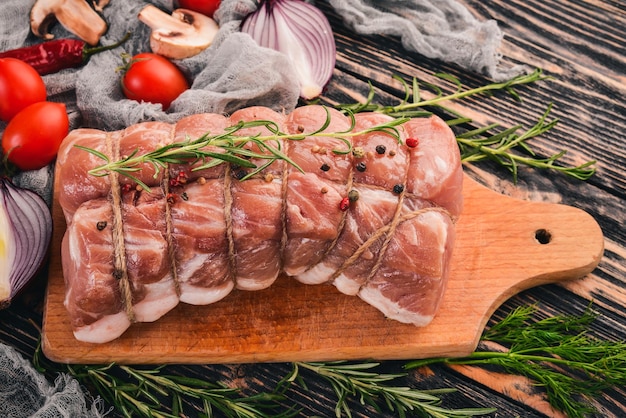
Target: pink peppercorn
[[344, 204], [412, 142]]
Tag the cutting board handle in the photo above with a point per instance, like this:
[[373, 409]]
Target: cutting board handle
[[509, 245]]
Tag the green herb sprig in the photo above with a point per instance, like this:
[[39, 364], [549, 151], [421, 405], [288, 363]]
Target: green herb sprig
[[210, 150], [556, 353], [370, 388], [491, 142], [413, 105], [478, 145], [138, 392], [505, 146]]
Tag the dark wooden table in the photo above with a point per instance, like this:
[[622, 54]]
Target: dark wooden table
[[582, 44]]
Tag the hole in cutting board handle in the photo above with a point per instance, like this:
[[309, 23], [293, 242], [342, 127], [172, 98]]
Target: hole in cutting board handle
[[543, 236]]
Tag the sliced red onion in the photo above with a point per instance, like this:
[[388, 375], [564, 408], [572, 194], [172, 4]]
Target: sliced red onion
[[300, 31], [25, 233]]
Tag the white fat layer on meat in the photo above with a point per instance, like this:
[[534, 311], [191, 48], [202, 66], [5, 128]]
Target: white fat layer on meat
[[392, 309], [196, 295], [442, 165], [191, 266], [320, 273], [437, 223], [104, 330], [74, 248], [160, 298], [346, 285], [255, 284], [433, 175]]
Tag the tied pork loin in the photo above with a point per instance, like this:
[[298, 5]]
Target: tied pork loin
[[377, 222]]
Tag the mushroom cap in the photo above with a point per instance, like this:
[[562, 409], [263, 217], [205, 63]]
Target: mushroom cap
[[182, 34], [75, 15]]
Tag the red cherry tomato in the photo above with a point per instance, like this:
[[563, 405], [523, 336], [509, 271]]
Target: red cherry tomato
[[153, 78], [20, 86], [32, 138], [206, 7]]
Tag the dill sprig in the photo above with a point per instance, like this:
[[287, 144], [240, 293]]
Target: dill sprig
[[210, 150], [371, 388], [556, 353], [493, 142]]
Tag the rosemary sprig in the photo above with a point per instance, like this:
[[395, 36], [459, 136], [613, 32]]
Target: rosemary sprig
[[355, 380], [479, 144], [141, 392], [476, 144], [210, 150], [414, 106], [556, 353]]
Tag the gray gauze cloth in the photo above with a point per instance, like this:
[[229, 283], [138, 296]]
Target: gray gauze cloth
[[25, 393], [439, 29], [234, 72]]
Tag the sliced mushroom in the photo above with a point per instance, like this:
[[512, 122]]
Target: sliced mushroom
[[76, 16], [180, 35]]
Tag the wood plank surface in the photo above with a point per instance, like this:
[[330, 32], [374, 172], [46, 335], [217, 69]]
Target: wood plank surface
[[582, 45], [493, 259]]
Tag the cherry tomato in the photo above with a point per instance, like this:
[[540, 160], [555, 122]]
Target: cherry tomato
[[20, 86], [206, 7], [32, 138], [153, 78]]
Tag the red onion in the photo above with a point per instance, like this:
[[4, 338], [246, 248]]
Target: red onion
[[25, 233], [300, 31]]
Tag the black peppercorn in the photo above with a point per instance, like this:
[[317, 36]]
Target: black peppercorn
[[381, 149], [398, 188], [325, 167], [361, 167]]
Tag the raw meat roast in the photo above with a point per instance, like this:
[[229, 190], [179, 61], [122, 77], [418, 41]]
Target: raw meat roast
[[377, 222]]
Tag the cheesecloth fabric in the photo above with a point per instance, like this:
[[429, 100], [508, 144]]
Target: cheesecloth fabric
[[233, 73], [24, 392]]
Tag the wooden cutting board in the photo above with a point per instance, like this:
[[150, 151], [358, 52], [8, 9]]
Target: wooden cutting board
[[504, 245]]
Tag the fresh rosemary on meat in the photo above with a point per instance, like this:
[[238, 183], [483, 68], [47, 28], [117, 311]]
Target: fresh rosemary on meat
[[492, 142], [235, 149], [507, 147]]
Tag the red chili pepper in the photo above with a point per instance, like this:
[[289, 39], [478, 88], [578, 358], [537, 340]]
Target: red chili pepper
[[412, 142], [53, 56]]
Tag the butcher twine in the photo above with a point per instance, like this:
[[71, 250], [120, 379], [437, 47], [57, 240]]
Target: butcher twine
[[228, 218], [120, 265], [387, 231], [120, 271], [165, 186]]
